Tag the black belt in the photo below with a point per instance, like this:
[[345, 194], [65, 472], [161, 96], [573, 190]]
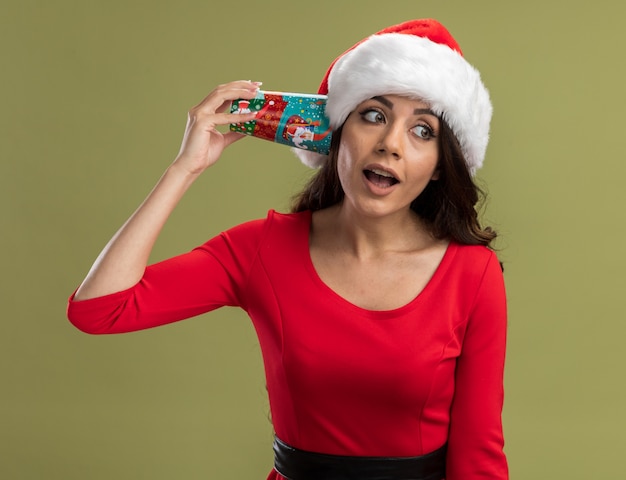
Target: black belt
[[295, 464]]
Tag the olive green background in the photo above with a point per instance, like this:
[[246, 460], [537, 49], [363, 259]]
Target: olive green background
[[93, 102]]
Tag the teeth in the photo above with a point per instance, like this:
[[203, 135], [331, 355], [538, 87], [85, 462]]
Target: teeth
[[382, 173]]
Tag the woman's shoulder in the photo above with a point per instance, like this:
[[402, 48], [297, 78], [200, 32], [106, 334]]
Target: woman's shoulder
[[277, 220], [274, 223], [474, 258], [247, 239], [469, 270], [302, 218], [475, 251]]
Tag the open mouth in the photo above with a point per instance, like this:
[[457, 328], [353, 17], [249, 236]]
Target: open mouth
[[380, 178]]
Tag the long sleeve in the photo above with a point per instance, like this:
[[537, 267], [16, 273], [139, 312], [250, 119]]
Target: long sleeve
[[475, 445], [204, 279]]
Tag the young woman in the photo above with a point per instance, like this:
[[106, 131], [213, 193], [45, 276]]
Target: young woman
[[379, 306]]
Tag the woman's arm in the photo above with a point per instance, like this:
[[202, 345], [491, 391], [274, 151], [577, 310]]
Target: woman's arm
[[475, 441], [122, 262]]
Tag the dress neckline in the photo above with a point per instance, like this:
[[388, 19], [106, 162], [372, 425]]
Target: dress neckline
[[432, 283]]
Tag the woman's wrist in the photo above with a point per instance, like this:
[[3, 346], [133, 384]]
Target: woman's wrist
[[179, 173]]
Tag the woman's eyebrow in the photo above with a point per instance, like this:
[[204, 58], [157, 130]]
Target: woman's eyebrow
[[389, 104], [384, 101], [427, 111]]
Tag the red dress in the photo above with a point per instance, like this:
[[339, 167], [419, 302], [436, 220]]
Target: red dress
[[341, 379]]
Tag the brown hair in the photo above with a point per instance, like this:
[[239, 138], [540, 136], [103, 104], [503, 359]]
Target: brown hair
[[448, 205]]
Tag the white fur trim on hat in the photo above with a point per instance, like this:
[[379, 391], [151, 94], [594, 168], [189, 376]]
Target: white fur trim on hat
[[310, 159], [400, 64]]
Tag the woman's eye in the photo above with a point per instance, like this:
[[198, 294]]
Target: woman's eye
[[373, 116], [423, 131]]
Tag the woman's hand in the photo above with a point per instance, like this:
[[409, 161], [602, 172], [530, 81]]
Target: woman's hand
[[202, 143]]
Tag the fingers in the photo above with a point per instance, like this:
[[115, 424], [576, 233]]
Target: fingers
[[237, 117], [232, 137], [220, 98]]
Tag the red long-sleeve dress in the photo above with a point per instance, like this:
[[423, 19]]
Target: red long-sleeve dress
[[341, 379]]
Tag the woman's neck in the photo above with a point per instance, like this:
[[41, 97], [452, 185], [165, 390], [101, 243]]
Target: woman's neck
[[364, 236]]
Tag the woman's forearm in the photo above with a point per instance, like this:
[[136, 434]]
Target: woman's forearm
[[123, 260]]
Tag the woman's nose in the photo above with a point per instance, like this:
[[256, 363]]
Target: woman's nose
[[391, 141]]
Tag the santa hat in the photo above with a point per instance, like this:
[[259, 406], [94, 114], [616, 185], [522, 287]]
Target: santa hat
[[418, 59]]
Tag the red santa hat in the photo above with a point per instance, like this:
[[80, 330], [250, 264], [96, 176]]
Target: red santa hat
[[419, 59]]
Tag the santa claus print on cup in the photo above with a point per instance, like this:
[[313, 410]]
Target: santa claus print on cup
[[293, 119]]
